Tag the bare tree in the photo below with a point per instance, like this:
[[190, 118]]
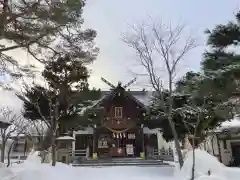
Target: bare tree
[[161, 48], [38, 128], [18, 126]]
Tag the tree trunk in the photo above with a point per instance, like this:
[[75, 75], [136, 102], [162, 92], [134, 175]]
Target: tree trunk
[[9, 153], [53, 141], [3, 19], [54, 150], [176, 141], [193, 165], [54, 132], [172, 125], [3, 151]]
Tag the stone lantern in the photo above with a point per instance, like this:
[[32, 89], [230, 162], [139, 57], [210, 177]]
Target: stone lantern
[[64, 149]]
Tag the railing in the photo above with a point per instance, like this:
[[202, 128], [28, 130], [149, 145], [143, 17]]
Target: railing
[[162, 154], [78, 155], [79, 152], [18, 155]]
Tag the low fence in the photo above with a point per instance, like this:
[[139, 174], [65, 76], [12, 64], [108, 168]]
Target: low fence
[[79, 155], [161, 154], [157, 154], [18, 157]]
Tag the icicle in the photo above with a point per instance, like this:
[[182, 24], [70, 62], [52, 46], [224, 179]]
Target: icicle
[[120, 135], [113, 135], [117, 136]]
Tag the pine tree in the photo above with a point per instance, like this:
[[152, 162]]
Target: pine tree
[[222, 61], [68, 84], [46, 27], [62, 106]]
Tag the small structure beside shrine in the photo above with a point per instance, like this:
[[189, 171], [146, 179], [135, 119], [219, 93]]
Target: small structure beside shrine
[[224, 142], [64, 149]]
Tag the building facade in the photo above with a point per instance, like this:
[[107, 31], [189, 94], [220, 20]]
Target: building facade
[[121, 132]]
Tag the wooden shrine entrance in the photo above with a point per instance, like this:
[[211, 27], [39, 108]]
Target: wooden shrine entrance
[[119, 143]]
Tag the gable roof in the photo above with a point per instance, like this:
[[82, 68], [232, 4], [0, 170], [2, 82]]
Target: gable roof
[[142, 98]]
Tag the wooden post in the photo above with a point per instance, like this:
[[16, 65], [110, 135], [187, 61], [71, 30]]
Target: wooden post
[[142, 154], [94, 155]]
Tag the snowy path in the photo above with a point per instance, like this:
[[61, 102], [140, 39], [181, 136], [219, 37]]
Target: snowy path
[[127, 173]]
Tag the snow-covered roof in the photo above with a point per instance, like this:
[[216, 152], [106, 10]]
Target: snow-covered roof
[[143, 96], [65, 138], [233, 123], [229, 125]]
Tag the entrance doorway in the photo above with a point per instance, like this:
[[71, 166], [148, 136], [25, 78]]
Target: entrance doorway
[[236, 153], [123, 145], [119, 143]]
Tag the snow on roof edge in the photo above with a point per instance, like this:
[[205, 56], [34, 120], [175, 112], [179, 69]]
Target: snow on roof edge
[[65, 138]]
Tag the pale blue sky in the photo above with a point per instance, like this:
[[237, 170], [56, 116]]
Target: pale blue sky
[[111, 18]]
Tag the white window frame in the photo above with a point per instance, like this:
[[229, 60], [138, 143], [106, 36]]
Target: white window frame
[[117, 110]]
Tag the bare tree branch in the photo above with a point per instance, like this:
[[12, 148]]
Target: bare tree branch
[[159, 45], [18, 126]]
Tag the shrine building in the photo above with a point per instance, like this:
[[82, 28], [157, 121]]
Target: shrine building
[[122, 132]]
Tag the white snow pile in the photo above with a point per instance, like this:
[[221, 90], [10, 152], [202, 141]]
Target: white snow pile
[[4, 171], [204, 163], [33, 158], [33, 169], [212, 177]]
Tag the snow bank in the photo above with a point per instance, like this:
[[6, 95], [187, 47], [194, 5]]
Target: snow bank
[[4, 171], [33, 169], [232, 173], [33, 158], [204, 162], [212, 177]]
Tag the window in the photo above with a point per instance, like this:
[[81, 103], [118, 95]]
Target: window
[[118, 112]]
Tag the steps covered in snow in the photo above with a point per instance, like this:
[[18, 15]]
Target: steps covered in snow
[[120, 162]]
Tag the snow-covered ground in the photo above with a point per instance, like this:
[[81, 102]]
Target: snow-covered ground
[[33, 169]]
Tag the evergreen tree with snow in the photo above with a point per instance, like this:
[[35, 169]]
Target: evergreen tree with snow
[[222, 62], [67, 79]]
